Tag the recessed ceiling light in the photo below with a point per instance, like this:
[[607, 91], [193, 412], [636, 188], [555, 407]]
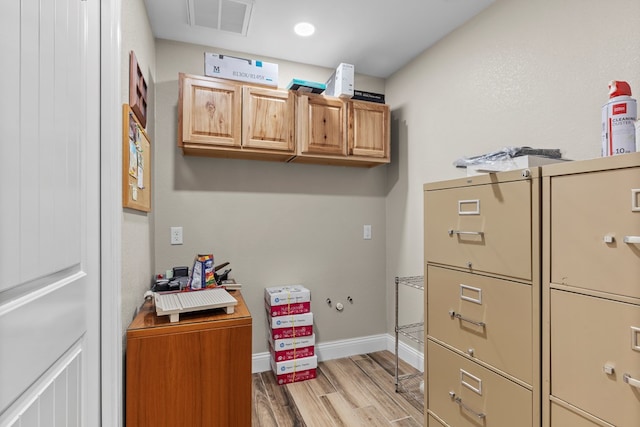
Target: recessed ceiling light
[[304, 29]]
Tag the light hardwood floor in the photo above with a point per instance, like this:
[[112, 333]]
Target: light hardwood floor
[[349, 392]]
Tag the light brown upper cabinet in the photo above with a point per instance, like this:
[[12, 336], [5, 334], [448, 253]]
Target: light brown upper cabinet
[[224, 118], [209, 113], [369, 132], [268, 119], [342, 132], [221, 118], [322, 126]]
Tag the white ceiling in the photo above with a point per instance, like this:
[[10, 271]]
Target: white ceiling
[[377, 36]]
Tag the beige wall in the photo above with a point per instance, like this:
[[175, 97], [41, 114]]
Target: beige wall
[[522, 73], [137, 235], [276, 223]]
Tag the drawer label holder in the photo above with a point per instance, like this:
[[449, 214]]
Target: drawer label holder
[[635, 338], [467, 293], [466, 207], [471, 382]]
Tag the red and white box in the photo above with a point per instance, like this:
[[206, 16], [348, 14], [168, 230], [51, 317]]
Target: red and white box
[[292, 348], [296, 331], [284, 300], [295, 370], [295, 377], [305, 319], [295, 325], [280, 295], [293, 308]]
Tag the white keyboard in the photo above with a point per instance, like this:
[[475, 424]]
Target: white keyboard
[[184, 302]]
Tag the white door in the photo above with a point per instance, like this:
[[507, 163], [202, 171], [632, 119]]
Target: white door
[[49, 213]]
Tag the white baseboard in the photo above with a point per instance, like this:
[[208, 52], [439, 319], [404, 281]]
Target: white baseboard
[[406, 353], [351, 347]]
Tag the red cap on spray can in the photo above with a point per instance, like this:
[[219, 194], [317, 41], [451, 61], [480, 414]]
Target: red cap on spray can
[[619, 88]]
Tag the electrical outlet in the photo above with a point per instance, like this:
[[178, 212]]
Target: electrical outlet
[[176, 235]]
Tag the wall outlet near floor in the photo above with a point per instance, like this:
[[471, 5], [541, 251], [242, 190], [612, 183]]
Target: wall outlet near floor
[[366, 235], [176, 235]]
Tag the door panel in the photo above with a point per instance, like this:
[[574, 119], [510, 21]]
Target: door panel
[[49, 221]]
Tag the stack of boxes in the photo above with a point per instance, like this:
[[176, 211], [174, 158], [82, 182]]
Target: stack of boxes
[[290, 335]]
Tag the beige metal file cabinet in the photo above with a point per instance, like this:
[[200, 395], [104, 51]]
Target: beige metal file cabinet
[[482, 300], [591, 293]]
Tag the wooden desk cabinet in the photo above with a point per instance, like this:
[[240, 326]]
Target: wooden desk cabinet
[[195, 372]]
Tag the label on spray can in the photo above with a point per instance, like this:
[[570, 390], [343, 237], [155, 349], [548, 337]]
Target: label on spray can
[[618, 121]]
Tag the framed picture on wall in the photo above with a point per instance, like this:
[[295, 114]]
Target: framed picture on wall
[[137, 90]]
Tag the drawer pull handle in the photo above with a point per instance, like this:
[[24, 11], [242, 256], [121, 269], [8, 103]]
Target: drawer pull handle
[[458, 400], [453, 314], [631, 381], [472, 233], [632, 239]]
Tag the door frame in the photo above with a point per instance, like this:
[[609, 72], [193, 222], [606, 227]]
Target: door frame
[[112, 402]]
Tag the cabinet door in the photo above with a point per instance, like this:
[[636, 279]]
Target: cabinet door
[[163, 379], [369, 134], [268, 119], [226, 376], [209, 111], [200, 378], [321, 125]]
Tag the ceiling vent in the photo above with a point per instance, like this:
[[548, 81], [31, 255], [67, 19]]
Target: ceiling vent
[[224, 15]]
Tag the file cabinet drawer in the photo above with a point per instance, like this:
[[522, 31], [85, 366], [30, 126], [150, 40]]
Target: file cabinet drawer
[[562, 417], [486, 227], [588, 210], [595, 343], [432, 422], [487, 318], [464, 394]]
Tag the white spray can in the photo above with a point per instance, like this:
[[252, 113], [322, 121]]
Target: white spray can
[[618, 120]]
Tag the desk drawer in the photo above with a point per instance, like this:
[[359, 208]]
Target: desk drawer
[[489, 319], [588, 336], [464, 394], [587, 209], [486, 227]]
